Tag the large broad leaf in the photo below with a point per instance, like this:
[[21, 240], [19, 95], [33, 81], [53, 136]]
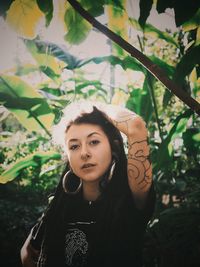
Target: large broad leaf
[[193, 23], [24, 17], [47, 8], [30, 108], [145, 8], [169, 70], [140, 102], [126, 63], [46, 62], [77, 28], [184, 10], [35, 160], [58, 51], [187, 63], [118, 22], [150, 30], [95, 8], [163, 157]]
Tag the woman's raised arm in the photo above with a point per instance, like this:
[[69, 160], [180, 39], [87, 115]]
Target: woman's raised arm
[[139, 168]]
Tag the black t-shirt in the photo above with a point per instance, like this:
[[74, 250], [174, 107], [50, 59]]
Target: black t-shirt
[[95, 235], [80, 229]]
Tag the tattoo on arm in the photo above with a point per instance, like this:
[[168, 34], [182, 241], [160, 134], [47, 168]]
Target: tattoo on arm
[[122, 123], [139, 166]]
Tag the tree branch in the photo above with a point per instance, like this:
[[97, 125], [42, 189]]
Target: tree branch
[[144, 60]]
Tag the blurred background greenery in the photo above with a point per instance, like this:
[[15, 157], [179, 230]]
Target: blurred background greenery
[[51, 56]]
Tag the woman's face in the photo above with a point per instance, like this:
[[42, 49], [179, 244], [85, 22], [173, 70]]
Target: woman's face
[[88, 151]]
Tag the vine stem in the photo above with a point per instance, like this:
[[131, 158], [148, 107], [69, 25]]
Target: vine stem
[[144, 60]]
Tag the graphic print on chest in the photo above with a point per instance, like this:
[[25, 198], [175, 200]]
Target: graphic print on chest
[[76, 247]]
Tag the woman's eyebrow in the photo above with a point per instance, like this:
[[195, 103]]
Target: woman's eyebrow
[[89, 135]]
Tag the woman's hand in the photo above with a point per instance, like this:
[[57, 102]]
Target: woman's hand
[[29, 255]]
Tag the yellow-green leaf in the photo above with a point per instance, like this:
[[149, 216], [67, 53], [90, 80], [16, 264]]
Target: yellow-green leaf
[[24, 16], [26, 104], [34, 160]]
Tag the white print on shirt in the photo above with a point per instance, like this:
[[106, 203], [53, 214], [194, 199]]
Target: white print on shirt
[[75, 243]]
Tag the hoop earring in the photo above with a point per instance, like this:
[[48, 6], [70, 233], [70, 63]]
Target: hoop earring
[[111, 170], [106, 179], [65, 181]]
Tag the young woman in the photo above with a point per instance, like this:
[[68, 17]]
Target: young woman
[[104, 200]]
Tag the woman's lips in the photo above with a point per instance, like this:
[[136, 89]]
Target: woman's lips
[[88, 165]]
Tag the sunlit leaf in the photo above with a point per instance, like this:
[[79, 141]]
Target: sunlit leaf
[[118, 20], [196, 137], [35, 160], [192, 23], [149, 30], [119, 97], [46, 61], [77, 28], [57, 51], [198, 36], [28, 106], [24, 17]]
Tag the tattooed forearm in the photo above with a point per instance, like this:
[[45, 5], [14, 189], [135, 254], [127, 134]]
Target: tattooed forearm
[[139, 166]]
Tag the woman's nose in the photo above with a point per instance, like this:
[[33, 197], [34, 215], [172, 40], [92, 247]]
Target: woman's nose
[[85, 154]]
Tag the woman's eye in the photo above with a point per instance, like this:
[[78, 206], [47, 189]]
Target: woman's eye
[[73, 147], [94, 142]]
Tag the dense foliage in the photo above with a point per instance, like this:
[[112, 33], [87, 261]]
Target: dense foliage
[[33, 95]]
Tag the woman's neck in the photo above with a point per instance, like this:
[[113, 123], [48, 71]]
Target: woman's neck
[[91, 191]]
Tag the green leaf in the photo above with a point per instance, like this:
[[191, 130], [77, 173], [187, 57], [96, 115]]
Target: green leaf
[[193, 23], [25, 69], [191, 139], [140, 102], [95, 8], [28, 106], [47, 8], [184, 10], [115, 3], [5, 6], [58, 51], [145, 8], [126, 63], [46, 61], [53, 91], [150, 30], [167, 97], [163, 159], [78, 28], [187, 63], [196, 137], [35, 160]]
